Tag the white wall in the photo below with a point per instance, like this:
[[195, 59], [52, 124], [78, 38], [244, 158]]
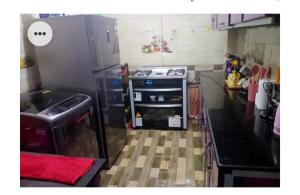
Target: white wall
[[190, 38], [29, 77]]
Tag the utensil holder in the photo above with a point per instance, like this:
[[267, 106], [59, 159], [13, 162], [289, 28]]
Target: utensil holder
[[252, 89]]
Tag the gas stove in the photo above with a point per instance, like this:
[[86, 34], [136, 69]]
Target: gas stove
[[158, 72], [176, 72], [142, 73], [158, 97]]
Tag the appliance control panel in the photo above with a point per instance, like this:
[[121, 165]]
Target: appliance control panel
[[66, 105], [157, 83]]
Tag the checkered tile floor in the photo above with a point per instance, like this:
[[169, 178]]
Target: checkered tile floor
[[154, 158]]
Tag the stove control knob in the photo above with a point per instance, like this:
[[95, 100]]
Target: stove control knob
[[142, 82], [135, 83]]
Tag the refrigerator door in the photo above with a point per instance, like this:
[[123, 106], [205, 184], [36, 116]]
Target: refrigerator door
[[102, 41], [111, 104], [65, 63]]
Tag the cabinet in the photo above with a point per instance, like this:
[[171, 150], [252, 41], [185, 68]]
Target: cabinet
[[223, 20], [215, 176], [250, 17], [236, 19], [212, 170], [230, 21], [219, 172]]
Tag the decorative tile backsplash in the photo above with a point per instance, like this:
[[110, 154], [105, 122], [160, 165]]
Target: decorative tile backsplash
[[187, 39], [256, 45]]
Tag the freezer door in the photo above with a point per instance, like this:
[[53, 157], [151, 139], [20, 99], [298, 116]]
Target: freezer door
[[65, 63], [102, 41], [111, 104]]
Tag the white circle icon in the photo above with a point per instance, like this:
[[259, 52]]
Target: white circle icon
[[39, 33]]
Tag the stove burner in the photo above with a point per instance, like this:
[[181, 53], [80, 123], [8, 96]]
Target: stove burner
[[175, 72], [142, 73], [159, 73]]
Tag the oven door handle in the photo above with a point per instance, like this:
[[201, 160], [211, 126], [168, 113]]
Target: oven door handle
[[154, 89], [116, 90], [116, 105], [159, 105]]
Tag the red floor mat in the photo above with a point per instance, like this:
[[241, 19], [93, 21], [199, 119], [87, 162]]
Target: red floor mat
[[59, 169]]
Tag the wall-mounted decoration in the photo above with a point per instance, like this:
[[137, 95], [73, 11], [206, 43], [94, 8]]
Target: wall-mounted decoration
[[155, 45], [164, 46]]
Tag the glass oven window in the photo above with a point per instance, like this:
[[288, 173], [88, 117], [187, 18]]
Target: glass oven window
[[158, 117]]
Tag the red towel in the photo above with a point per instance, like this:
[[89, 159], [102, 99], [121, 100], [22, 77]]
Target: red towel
[[59, 169]]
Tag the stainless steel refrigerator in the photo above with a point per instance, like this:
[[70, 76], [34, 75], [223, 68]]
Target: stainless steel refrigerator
[[83, 56]]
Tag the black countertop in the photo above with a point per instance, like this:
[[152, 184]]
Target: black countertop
[[241, 138]]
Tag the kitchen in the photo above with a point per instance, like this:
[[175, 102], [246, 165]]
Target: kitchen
[[171, 100]]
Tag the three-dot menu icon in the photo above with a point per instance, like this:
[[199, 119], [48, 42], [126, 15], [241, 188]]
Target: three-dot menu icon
[[40, 33]]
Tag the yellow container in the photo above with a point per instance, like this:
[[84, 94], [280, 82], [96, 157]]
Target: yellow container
[[277, 78]]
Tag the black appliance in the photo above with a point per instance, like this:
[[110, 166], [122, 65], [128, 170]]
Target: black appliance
[[159, 97]]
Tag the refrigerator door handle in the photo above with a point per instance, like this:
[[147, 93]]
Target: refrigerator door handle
[[93, 53], [108, 34], [98, 69], [95, 70]]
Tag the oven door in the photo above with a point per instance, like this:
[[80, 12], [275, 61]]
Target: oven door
[[159, 116], [158, 108]]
